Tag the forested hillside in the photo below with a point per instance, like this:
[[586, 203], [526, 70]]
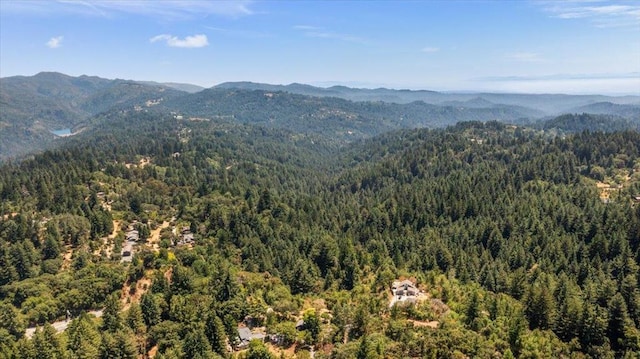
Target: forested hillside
[[290, 234], [543, 104], [31, 108], [339, 119], [572, 123]]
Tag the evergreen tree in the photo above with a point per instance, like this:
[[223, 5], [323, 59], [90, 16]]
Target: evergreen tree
[[8, 272], [539, 307], [25, 349], [117, 345], [473, 310], [135, 322], [11, 320], [618, 322], [47, 344], [50, 247], [215, 333], [83, 338], [134, 318], [302, 280], [111, 320], [151, 311], [196, 344], [265, 202], [567, 321], [593, 325]]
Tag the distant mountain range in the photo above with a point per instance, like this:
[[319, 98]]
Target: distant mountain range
[[550, 104], [31, 107], [176, 86]]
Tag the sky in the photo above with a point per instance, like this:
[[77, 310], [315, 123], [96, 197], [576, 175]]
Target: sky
[[525, 46]]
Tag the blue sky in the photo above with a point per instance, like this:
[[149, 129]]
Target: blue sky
[[574, 46]]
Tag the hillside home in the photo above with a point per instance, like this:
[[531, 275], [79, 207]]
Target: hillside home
[[186, 237], [132, 236], [127, 249], [245, 335], [127, 252], [404, 288]]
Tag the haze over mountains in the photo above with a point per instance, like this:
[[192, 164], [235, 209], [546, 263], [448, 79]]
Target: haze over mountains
[[31, 107], [551, 104]]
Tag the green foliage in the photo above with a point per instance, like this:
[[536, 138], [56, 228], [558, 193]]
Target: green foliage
[[257, 350], [215, 333], [312, 325], [500, 225], [196, 344], [539, 307], [117, 345], [47, 343], [150, 307], [83, 338], [371, 348], [571, 123], [11, 320], [111, 319]]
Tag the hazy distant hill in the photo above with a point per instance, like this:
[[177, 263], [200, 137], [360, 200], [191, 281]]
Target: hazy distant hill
[[570, 123], [176, 86], [332, 116], [32, 107], [550, 104], [630, 111]]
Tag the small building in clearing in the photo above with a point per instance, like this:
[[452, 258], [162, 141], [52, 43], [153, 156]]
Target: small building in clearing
[[404, 288], [132, 236], [245, 335], [127, 252]]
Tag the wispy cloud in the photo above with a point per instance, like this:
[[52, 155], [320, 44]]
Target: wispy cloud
[[597, 76], [319, 32], [585, 83], [194, 41], [166, 9], [524, 57], [600, 12], [307, 28], [55, 42], [430, 49]]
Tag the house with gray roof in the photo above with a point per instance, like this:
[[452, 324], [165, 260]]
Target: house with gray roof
[[245, 335]]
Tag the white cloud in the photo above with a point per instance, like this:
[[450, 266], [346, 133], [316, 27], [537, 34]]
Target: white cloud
[[194, 41], [585, 83], [166, 9], [319, 32], [581, 86], [524, 57], [307, 27], [601, 13], [55, 42], [556, 77], [430, 49]]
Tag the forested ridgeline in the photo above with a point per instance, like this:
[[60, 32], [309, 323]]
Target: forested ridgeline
[[38, 110], [502, 228]]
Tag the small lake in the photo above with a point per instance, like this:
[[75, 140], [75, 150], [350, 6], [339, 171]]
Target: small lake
[[62, 132]]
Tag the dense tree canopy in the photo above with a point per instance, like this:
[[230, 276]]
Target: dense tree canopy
[[504, 227]]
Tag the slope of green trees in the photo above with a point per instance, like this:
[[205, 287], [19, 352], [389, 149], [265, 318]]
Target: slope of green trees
[[572, 123], [500, 224]]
